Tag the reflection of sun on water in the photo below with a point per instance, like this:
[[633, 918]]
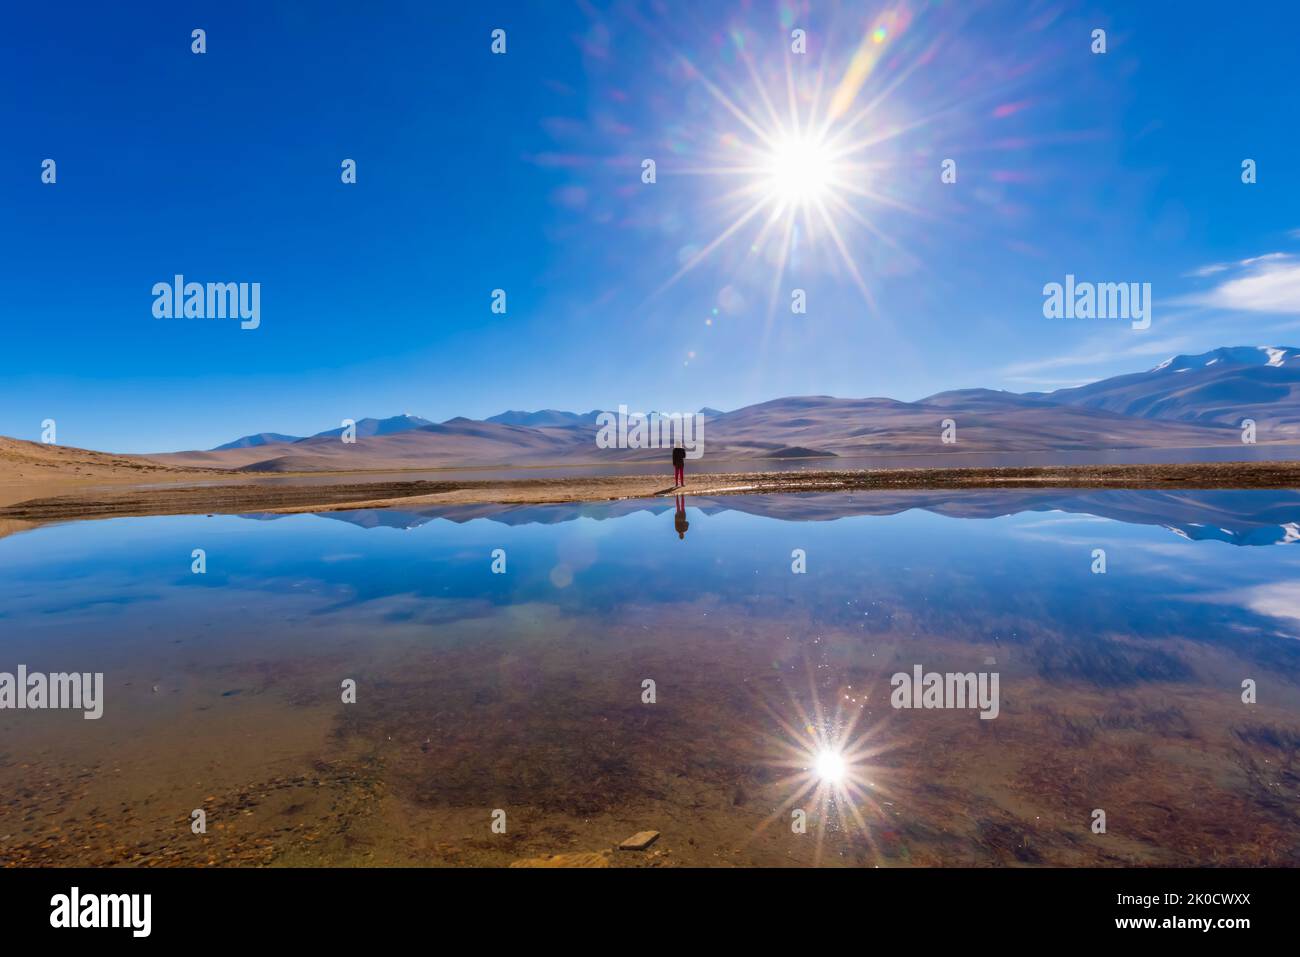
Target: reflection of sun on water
[[833, 776], [829, 767]]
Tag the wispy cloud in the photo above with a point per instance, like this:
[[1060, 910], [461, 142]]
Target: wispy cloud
[[1214, 269], [1097, 353], [1268, 283]]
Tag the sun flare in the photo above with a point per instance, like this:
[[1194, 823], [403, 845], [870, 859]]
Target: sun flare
[[836, 774], [799, 171], [800, 151], [829, 766]]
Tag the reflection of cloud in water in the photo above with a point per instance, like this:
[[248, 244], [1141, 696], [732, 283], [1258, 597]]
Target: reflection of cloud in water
[[1277, 600]]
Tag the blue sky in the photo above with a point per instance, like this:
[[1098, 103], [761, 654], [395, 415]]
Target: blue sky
[[523, 172]]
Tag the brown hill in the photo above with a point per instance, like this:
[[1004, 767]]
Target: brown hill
[[23, 461], [29, 469], [810, 425]]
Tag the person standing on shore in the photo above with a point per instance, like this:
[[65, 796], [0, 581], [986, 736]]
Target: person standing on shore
[[679, 466]]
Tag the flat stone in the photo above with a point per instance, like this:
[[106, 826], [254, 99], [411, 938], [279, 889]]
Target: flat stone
[[639, 841]]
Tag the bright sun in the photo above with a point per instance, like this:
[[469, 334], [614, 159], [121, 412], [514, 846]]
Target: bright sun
[[799, 171]]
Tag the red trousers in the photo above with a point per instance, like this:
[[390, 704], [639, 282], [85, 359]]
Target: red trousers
[[679, 475]]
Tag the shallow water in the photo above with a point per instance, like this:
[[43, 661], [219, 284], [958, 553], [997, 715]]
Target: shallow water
[[522, 692]]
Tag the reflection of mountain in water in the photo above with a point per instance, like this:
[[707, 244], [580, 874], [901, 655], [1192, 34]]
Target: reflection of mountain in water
[[1238, 517]]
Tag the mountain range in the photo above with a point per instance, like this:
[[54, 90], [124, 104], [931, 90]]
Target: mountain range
[[1188, 401]]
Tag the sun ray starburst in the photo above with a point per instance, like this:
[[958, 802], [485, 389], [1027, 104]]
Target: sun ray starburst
[[834, 773], [802, 173]]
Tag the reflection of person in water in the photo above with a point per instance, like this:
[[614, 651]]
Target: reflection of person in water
[[679, 467], [680, 522]]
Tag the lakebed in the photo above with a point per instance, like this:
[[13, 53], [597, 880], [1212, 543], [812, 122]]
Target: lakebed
[[500, 655]]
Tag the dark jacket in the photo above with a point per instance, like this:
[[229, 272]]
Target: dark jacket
[[679, 458]]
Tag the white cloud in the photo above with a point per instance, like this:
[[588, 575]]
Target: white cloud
[[1269, 283], [1097, 353], [1215, 268]]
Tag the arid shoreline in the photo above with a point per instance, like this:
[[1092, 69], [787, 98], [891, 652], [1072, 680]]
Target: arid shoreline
[[241, 496]]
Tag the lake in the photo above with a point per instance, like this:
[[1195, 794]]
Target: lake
[[533, 681]]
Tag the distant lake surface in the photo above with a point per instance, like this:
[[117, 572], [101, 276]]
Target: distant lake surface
[[767, 630]]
